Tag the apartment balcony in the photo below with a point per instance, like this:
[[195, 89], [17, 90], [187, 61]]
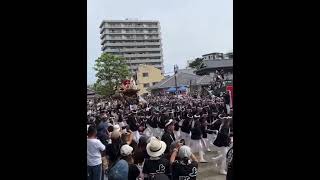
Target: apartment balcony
[[107, 26], [103, 28], [108, 38], [105, 45], [134, 43], [120, 25], [141, 61], [113, 38], [113, 25], [142, 55], [139, 27], [129, 38], [102, 35], [146, 32], [131, 66], [113, 32], [133, 49], [126, 32], [142, 38]]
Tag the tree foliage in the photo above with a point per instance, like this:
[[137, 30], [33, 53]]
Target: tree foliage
[[196, 64], [111, 71]]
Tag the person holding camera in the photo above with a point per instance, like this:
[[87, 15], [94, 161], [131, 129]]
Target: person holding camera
[[186, 166]]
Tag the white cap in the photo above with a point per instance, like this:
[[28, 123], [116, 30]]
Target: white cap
[[169, 122], [116, 127], [126, 150]]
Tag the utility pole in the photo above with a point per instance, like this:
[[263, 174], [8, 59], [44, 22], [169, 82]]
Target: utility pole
[[190, 85], [175, 77]]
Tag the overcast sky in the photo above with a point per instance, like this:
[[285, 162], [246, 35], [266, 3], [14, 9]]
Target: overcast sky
[[189, 28]]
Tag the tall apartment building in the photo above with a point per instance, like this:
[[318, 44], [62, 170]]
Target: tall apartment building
[[139, 42]]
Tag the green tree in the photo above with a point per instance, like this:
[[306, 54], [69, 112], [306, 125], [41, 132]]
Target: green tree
[[111, 70], [196, 64]]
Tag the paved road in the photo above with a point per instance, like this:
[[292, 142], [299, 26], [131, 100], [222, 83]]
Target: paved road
[[206, 171]]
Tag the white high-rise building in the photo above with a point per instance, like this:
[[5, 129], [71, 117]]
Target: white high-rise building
[[139, 42]]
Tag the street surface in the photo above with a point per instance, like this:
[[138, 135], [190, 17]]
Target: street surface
[[206, 171]]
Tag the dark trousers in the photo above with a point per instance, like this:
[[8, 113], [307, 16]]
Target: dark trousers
[[230, 173], [94, 172]]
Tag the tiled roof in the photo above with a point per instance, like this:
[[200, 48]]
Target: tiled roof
[[203, 80], [90, 92], [182, 80], [190, 71]]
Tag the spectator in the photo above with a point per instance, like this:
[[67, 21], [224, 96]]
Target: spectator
[[94, 160], [126, 154], [127, 138], [141, 150], [113, 149], [109, 131], [102, 132], [187, 166], [119, 170], [156, 164]]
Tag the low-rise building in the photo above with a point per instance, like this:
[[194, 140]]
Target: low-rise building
[[214, 62], [213, 56], [191, 81], [90, 93], [147, 76]]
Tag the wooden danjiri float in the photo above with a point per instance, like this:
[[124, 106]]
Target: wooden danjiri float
[[128, 92]]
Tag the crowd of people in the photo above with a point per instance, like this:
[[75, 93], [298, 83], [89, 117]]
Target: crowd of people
[[163, 138]]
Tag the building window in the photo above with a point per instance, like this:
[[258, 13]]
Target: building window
[[145, 74], [154, 83], [146, 85]]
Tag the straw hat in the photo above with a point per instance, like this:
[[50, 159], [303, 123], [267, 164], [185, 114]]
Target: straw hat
[[156, 147]]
